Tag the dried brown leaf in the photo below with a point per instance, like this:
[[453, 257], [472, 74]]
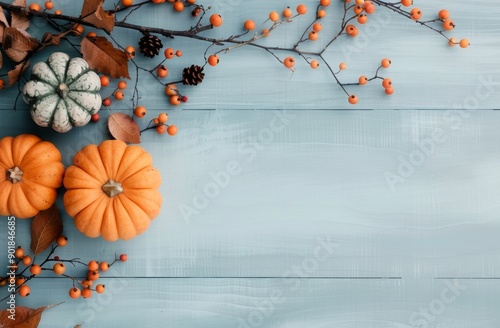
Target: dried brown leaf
[[123, 127], [50, 39], [15, 73], [20, 20], [2, 28], [45, 228], [104, 57], [16, 45], [24, 318], [93, 13], [3, 19], [1, 59]]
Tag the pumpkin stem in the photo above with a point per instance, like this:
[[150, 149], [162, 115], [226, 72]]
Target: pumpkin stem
[[14, 174], [112, 188], [62, 90]]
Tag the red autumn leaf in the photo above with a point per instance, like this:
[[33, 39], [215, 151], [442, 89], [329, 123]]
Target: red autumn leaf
[[15, 73], [104, 57], [24, 317], [93, 13], [123, 127], [45, 228]]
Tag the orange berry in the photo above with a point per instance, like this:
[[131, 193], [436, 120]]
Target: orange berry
[[178, 6], [119, 95], [358, 10], [321, 13], [19, 253], [130, 51], [86, 293], [74, 292], [265, 33], [287, 12], [169, 53], [171, 90], [443, 14], [20, 281], [104, 80], [100, 288], [106, 102], [157, 1], [216, 20], [123, 257], [369, 7], [77, 29], [104, 266], [362, 19], [175, 100], [35, 269], [49, 5], [353, 99], [191, 2], [93, 275], [342, 66], [93, 265], [3, 281], [386, 62], [360, 2], [155, 121], [127, 3], [325, 3], [363, 80], [87, 283], [91, 35], [162, 118], [317, 27], [59, 268], [27, 260], [162, 71], [2, 84], [386, 83], [464, 43], [389, 91], [161, 129], [406, 3], [289, 62], [452, 42], [24, 291], [58, 12], [314, 64], [448, 24], [274, 16], [351, 30], [178, 53], [249, 25], [313, 35], [35, 7], [415, 14], [213, 60], [302, 9], [122, 85], [172, 130], [140, 111]]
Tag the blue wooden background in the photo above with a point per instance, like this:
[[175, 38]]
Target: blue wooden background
[[281, 214]]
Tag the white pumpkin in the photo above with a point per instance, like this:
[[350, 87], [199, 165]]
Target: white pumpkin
[[62, 92]]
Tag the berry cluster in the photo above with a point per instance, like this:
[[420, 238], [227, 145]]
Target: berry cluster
[[157, 123], [27, 268]]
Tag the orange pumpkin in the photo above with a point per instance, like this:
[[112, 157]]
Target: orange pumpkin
[[33, 171], [112, 190]]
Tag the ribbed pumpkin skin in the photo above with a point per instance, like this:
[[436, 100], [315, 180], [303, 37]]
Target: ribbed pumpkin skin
[[42, 173], [125, 215], [50, 105]]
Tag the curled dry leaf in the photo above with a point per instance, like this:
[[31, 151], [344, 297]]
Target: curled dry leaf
[[50, 39], [17, 71], [102, 56], [93, 13], [45, 228], [16, 45], [24, 317], [123, 127], [20, 20]]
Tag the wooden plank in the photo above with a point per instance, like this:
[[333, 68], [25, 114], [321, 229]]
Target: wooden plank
[[340, 179], [427, 73], [291, 303]]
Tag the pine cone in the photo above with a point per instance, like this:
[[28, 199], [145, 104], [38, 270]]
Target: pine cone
[[193, 75], [150, 45]]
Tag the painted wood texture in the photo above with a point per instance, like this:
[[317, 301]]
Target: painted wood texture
[[377, 211]]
